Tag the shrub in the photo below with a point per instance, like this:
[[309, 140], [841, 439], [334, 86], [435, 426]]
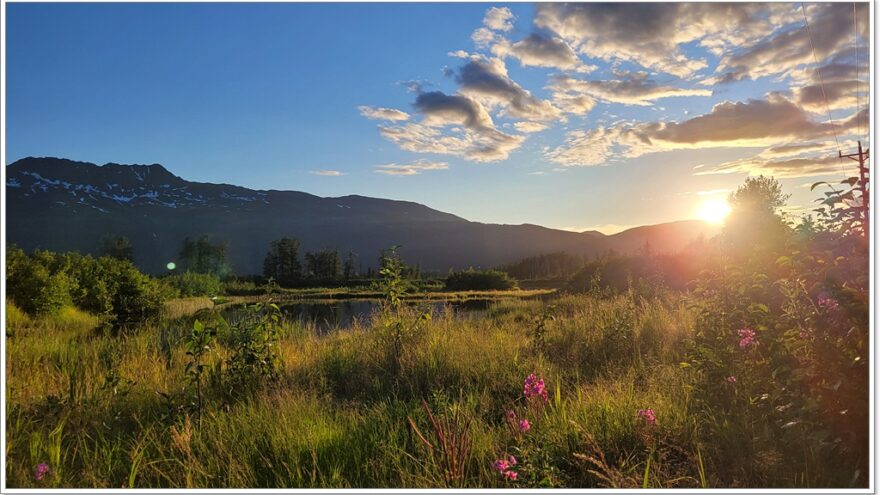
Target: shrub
[[190, 284], [479, 280]]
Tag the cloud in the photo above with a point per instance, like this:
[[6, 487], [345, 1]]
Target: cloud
[[410, 168], [327, 173], [438, 108], [650, 34], [537, 50], [785, 50], [487, 81], [529, 127], [784, 168], [499, 19], [754, 123], [381, 113], [629, 89], [479, 145], [483, 38]]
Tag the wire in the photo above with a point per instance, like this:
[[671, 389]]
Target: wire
[[858, 79], [822, 86]]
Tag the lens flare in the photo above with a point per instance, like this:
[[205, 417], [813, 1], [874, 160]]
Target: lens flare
[[171, 265], [714, 211]]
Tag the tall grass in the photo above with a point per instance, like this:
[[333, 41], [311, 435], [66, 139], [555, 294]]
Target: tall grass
[[105, 410]]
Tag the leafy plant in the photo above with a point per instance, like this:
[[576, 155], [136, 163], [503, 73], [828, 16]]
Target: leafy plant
[[198, 345]]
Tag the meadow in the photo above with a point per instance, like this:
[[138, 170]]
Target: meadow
[[755, 375]]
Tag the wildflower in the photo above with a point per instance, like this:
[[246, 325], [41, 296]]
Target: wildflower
[[504, 467], [41, 471], [730, 379], [647, 415], [511, 416], [524, 425], [827, 303], [747, 338], [534, 387]]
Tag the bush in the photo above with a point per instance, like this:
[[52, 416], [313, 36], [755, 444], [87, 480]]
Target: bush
[[479, 280], [44, 282], [195, 284]]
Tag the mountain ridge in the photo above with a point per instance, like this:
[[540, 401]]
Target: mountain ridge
[[66, 205]]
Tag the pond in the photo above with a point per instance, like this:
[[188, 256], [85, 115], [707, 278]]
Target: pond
[[327, 315]]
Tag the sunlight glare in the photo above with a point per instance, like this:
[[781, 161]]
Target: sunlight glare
[[714, 211]]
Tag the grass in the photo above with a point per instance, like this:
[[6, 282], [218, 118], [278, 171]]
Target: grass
[[107, 410]]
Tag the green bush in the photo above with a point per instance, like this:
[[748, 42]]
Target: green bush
[[479, 280], [44, 282], [195, 284]]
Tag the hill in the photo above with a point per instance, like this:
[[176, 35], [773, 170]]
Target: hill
[[65, 205]]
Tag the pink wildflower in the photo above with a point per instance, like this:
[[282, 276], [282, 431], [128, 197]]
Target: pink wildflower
[[41, 471], [504, 467], [730, 379], [524, 425], [648, 416], [747, 338], [534, 387], [827, 303]]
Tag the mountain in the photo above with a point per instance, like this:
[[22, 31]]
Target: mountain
[[64, 205]]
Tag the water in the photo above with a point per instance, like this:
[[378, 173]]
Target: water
[[325, 316]]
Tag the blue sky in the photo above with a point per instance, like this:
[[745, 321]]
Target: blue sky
[[590, 116]]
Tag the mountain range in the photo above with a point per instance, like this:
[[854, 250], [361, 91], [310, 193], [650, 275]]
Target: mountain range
[[65, 205]]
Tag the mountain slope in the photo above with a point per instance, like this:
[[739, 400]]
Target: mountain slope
[[64, 205]]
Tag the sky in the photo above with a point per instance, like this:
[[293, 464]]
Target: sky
[[573, 116]]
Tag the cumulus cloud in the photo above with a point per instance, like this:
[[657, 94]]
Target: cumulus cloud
[[651, 34], [537, 50], [327, 173], [410, 168], [482, 145], [499, 19], [630, 89], [381, 113], [754, 123], [438, 108], [785, 50], [486, 80], [529, 127], [453, 125]]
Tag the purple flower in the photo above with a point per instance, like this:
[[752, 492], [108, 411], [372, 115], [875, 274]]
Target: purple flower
[[534, 387], [747, 338], [501, 465], [524, 425], [730, 379], [511, 416], [647, 415], [41, 471], [512, 460], [827, 303], [510, 475]]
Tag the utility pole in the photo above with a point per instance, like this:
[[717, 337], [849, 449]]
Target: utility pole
[[862, 158]]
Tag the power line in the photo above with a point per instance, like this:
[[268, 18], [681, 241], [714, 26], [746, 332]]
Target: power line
[[858, 79], [822, 86]]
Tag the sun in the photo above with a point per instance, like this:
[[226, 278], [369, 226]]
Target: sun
[[714, 211]]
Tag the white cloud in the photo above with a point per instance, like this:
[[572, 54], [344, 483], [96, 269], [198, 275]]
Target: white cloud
[[327, 173], [381, 113], [410, 168], [499, 19]]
